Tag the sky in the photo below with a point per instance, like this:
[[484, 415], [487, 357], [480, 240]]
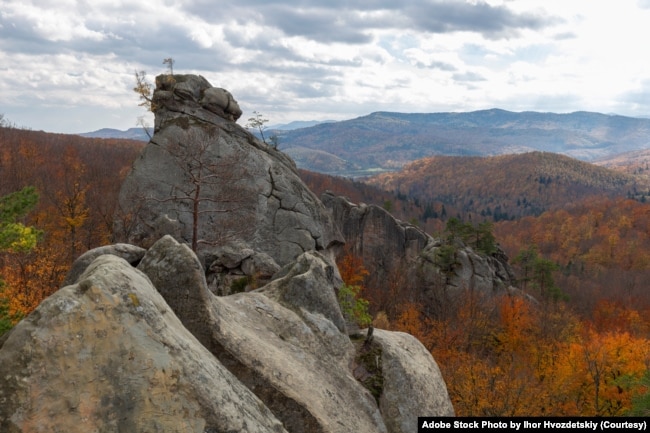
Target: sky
[[69, 66]]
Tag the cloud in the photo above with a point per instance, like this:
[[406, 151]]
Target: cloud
[[317, 59], [353, 23], [469, 76], [492, 22]]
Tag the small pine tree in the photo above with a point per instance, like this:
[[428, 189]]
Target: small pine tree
[[258, 122]]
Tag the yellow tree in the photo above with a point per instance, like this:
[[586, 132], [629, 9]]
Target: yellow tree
[[15, 238]]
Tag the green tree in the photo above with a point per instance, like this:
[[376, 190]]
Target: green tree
[[485, 240], [15, 237], [353, 306], [7, 319], [537, 273], [526, 259], [641, 402], [479, 237]]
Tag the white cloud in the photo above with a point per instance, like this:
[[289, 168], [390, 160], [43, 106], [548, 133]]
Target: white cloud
[[299, 60]]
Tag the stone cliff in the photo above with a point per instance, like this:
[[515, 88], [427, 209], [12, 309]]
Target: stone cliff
[[207, 181], [391, 247]]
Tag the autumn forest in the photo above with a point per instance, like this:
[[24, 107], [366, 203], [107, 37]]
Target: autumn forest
[[573, 340]]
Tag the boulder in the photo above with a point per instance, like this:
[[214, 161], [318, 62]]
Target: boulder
[[130, 253], [412, 383], [108, 354], [234, 269], [151, 349], [215, 98]]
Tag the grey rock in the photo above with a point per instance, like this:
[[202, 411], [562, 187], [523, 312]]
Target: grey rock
[[391, 247], [385, 244], [309, 284], [227, 265], [130, 253], [471, 271], [291, 355], [215, 98], [108, 354], [251, 194], [413, 384], [153, 350]]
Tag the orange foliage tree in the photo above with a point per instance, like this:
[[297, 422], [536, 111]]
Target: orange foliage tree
[[513, 356], [78, 180]]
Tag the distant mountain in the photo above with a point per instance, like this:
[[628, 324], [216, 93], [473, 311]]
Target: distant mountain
[[506, 186], [129, 134], [297, 124], [387, 141], [636, 162]]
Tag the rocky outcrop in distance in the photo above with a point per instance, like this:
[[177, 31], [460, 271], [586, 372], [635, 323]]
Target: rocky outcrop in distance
[[150, 349], [391, 247]]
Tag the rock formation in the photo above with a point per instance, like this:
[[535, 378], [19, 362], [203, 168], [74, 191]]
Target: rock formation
[[137, 340], [178, 92], [210, 183], [153, 350], [108, 354], [391, 247]]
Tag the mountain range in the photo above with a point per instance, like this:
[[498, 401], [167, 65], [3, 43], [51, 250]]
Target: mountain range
[[386, 141], [130, 134]]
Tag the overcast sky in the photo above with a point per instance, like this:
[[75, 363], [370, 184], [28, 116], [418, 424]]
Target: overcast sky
[[68, 65]]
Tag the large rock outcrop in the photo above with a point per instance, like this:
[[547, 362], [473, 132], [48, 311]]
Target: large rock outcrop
[[391, 247], [210, 183], [153, 350]]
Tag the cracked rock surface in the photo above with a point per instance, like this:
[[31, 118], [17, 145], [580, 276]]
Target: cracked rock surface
[[202, 165]]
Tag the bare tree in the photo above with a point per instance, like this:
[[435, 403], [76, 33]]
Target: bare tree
[[258, 122], [210, 185]]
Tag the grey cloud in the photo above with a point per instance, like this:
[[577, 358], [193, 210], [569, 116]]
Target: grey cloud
[[310, 90], [442, 66], [565, 36], [637, 100], [341, 21], [490, 21], [469, 76], [644, 4], [321, 25]]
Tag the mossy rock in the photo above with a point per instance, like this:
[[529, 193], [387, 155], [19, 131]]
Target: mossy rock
[[367, 367]]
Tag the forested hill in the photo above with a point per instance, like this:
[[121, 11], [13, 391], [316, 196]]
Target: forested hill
[[385, 140], [506, 186]]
